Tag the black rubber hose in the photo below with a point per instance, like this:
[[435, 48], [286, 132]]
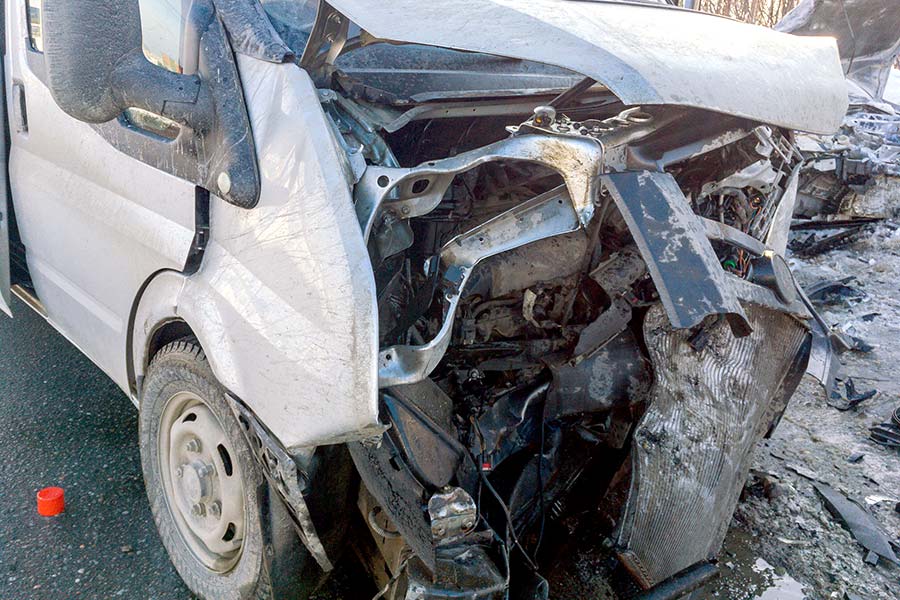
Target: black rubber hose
[[682, 583]]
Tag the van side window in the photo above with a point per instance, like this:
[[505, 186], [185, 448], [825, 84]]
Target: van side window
[[35, 24], [162, 27]]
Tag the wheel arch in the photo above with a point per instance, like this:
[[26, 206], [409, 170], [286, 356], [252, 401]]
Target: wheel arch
[[253, 353], [166, 333], [152, 324], [170, 307]]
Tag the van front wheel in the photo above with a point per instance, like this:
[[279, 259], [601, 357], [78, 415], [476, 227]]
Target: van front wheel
[[210, 501]]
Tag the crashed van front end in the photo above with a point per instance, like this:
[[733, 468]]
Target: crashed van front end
[[576, 215], [854, 170]]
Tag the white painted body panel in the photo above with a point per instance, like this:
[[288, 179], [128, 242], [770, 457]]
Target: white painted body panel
[[284, 302], [96, 223], [645, 54]]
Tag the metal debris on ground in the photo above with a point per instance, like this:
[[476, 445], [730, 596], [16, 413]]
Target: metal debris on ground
[[848, 397], [834, 291], [859, 522], [803, 472], [873, 499], [888, 433], [839, 222], [860, 345], [836, 234]]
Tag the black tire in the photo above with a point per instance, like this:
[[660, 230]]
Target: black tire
[[272, 562]]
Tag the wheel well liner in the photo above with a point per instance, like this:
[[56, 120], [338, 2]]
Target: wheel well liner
[[167, 333]]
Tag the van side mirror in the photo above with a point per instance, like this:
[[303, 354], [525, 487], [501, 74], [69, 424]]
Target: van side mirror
[[96, 67]]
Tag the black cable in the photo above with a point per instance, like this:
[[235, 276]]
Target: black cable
[[572, 93], [540, 539], [509, 523], [467, 454], [509, 520]]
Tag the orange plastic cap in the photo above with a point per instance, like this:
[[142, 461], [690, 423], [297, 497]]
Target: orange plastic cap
[[51, 501]]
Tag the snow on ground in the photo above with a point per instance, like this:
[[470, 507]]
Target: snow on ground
[[780, 520]]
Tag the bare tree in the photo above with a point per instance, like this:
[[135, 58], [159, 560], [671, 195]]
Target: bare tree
[[761, 12]]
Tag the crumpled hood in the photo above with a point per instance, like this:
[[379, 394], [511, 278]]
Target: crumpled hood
[[645, 54], [867, 33]]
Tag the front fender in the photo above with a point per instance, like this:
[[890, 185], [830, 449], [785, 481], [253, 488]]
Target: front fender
[[284, 300]]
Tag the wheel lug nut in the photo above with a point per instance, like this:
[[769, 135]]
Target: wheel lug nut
[[179, 472], [198, 510], [215, 509], [193, 445]]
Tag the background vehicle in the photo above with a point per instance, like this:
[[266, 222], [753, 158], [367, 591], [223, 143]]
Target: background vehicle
[[354, 259]]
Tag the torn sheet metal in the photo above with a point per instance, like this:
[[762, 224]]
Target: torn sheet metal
[[888, 433], [822, 236], [867, 34], [396, 190], [848, 397], [692, 449], [860, 522], [644, 54], [824, 363], [688, 277], [283, 474]]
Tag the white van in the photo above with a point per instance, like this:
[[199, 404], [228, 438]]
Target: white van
[[430, 273]]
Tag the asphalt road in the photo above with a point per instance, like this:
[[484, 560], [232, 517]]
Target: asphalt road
[[63, 422]]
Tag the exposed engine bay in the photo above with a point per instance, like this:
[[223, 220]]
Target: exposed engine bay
[[582, 304], [516, 305]]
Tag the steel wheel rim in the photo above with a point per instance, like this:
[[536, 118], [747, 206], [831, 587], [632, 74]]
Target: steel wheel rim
[[202, 481]]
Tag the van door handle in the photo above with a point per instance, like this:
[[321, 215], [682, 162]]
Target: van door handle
[[20, 112]]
